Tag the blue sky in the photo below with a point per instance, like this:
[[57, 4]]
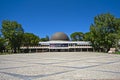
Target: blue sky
[[45, 17]]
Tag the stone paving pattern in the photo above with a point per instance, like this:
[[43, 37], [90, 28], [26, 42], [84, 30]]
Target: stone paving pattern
[[60, 66]]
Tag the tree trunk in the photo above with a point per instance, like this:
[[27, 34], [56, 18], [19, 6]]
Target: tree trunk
[[15, 50]]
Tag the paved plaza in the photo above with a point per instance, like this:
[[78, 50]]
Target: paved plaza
[[60, 66]]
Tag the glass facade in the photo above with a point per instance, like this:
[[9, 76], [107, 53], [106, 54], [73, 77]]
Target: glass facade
[[58, 45]]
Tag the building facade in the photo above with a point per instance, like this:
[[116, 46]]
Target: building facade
[[60, 42]]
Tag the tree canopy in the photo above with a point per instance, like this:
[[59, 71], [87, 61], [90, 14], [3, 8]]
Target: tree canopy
[[87, 36], [29, 39], [77, 36], [104, 31], [13, 32], [2, 44], [45, 39]]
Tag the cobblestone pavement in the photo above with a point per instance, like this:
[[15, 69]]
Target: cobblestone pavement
[[60, 66]]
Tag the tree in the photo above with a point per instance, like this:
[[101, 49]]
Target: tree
[[87, 36], [2, 44], [104, 31], [13, 32], [45, 39], [30, 39], [77, 36]]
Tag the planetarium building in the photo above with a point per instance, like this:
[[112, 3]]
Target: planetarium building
[[60, 42]]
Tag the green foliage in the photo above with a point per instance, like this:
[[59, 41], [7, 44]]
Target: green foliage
[[45, 39], [117, 52], [104, 31], [87, 36], [77, 36], [29, 39], [2, 44], [13, 32]]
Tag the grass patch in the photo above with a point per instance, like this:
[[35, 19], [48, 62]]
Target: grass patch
[[5, 53], [117, 52]]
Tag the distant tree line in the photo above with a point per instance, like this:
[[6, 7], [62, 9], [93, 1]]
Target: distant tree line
[[104, 33]]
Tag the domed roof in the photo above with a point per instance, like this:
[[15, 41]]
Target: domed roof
[[60, 36]]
